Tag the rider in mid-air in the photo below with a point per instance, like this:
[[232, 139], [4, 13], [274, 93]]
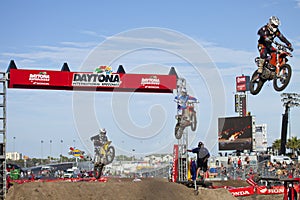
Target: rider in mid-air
[[182, 101], [267, 33], [100, 139]]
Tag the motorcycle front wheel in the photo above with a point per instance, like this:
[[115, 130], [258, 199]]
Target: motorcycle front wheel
[[281, 81], [178, 131], [98, 170], [256, 83]]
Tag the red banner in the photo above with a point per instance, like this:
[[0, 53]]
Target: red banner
[[63, 80], [175, 163]]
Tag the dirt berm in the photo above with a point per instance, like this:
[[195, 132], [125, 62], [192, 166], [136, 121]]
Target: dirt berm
[[119, 189]]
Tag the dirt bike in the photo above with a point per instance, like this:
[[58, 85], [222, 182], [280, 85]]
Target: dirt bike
[[103, 156], [275, 68], [188, 118]]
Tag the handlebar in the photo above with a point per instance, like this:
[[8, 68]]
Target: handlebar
[[192, 102], [282, 46]]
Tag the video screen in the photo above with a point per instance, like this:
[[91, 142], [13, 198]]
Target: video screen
[[235, 133]]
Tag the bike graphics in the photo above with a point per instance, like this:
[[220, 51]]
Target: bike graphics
[[276, 69]]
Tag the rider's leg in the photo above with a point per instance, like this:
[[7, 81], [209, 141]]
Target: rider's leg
[[186, 117], [263, 55], [260, 65]]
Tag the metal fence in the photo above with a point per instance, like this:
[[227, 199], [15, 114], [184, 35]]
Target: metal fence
[[261, 169]]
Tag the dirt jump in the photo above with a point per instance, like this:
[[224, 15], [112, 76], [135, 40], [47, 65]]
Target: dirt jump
[[120, 188]]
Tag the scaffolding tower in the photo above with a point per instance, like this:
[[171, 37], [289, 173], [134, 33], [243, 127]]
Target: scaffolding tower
[[182, 142], [183, 157], [3, 135]]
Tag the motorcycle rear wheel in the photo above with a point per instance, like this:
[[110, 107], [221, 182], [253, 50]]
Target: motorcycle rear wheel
[[256, 83], [110, 155], [282, 81]]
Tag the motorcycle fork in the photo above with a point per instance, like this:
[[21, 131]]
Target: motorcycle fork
[[278, 64]]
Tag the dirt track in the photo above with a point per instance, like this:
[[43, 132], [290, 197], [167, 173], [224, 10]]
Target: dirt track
[[126, 189]]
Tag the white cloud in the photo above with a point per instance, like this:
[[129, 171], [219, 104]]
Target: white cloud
[[298, 3], [93, 33]]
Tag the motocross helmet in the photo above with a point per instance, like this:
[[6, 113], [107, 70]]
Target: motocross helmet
[[183, 91], [273, 24], [102, 131]]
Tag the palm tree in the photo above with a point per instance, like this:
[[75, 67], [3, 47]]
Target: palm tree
[[276, 144], [293, 144]]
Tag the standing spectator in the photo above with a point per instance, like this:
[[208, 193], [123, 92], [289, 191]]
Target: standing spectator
[[239, 163], [202, 158], [247, 160], [229, 161]]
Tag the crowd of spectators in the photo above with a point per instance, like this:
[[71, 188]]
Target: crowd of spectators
[[241, 168]]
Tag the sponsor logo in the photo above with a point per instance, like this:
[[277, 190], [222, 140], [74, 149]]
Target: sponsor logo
[[241, 193], [41, 78], [106, 80], [103, 76], [151, 82], [76, 152], [264, 190], [279, 190], [241, 79], [103, 70], [276, 191]]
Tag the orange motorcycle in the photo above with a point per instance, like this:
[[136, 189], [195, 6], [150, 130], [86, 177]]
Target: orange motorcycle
[[276, 68]]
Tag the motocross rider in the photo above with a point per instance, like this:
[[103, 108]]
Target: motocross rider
[[267, 34], [99, 139], [182, 101]]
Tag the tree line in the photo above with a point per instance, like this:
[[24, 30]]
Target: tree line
[[293, 144]]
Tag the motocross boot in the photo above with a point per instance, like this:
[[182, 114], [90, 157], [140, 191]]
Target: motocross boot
[[260, 65]]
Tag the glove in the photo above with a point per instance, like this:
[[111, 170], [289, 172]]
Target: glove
[[291, 48]]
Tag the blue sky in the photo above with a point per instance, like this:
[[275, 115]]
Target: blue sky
[[45, 34]]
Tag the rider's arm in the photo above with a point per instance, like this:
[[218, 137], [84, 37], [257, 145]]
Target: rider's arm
[[192, 98], [282, 38], [93, 137], [262, 32]]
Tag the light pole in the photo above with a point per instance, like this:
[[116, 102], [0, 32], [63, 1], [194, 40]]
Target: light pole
[[289, 100], [74, 143], [14, 141], [50, 150], [61, 147], [133, 150], [42, 151]]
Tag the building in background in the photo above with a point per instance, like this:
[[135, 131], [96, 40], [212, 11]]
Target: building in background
[[13, 155], [260, 142]]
